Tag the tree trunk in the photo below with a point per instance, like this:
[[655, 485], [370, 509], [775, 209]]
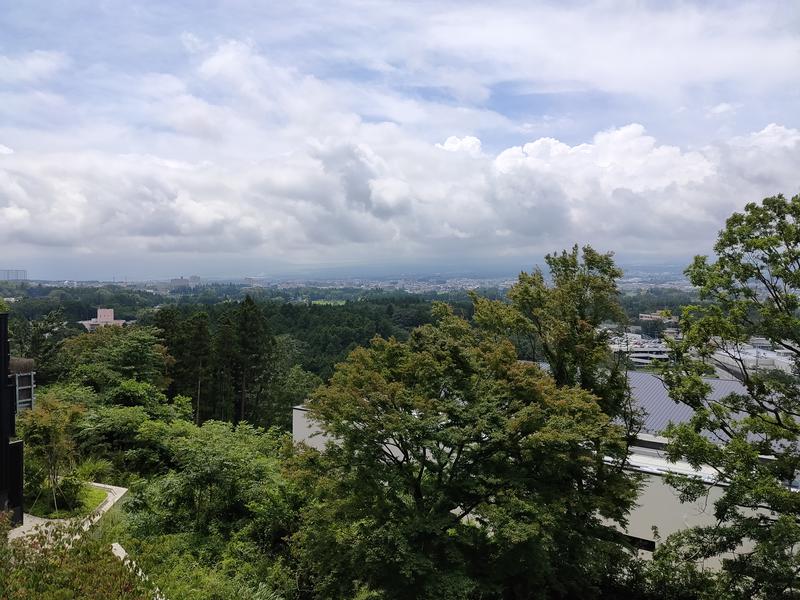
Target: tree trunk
[[197, 411]]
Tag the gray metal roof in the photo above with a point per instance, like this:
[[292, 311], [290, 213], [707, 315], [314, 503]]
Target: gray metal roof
[[650, 394]]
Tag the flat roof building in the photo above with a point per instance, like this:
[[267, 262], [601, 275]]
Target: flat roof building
[[105, 316]]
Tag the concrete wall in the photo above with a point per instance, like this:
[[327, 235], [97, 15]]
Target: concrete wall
[[305, 430], [659, 506], [105, 315]]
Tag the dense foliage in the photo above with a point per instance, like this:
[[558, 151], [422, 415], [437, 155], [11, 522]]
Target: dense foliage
[[752, 288], [57, 564], [453, 469], [461, 473]]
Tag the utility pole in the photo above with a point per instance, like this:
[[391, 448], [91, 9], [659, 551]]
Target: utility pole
[[10, 451]]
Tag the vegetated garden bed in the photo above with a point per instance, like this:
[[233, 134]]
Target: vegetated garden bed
[[90, 498]]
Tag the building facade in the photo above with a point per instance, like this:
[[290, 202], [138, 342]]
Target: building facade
[[105, 317]]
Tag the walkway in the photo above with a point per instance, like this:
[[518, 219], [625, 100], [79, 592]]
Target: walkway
[[30, 522]]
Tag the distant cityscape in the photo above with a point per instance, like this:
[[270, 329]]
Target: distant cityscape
[[634, 279]]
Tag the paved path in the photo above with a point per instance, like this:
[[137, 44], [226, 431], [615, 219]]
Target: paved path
[[30, 522]]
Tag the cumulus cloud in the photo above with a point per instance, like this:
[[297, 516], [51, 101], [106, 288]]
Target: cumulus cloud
[[622, 190], [469, 144], [467, 134]]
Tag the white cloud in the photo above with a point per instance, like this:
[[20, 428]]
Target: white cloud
[[31, 66], [437, 136], [723, 109], [330, 201], [469, 144]]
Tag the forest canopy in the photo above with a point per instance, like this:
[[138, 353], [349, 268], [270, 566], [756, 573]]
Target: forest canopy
[[477, 448]]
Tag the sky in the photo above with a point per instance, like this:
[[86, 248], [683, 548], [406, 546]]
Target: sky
[[157, 139]]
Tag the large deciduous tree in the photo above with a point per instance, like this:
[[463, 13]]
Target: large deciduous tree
[[751, 289], [460, 472], [558, 319]]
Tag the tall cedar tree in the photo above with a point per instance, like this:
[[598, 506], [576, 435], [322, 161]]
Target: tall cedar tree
[[193, 357], [168, 319], [225, 365], [254, 344]]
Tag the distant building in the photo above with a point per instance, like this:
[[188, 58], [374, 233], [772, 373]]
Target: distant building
[[105, 316], [672, 333], [13, 275], [740, 358], [182, 282], [661, 318], [256, 282], [641, 351]]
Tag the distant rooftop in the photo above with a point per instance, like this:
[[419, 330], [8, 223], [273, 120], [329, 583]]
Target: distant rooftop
[[651, 395]]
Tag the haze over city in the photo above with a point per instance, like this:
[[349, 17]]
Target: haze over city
[[149, 139]]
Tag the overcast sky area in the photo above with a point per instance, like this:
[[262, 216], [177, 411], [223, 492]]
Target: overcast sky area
[[153, 139]]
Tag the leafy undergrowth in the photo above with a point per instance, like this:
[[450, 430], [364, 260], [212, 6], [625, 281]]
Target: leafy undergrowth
[[61, 562], [91, 497]]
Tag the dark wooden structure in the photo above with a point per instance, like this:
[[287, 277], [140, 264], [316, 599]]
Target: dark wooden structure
[[11, 456]]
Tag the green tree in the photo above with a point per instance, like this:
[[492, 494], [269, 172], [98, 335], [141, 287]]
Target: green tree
[[281, 384], [460, 472], [561, 322], [225, 364], [218, 469], [168, 319], [254, 343], [104, 357], [752, 440], [113, 433], [47, 433], [193, 362], [41, 339]]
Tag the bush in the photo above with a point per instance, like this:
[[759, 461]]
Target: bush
[[35, 482], [61, 562], [99, 470], [68, 492]]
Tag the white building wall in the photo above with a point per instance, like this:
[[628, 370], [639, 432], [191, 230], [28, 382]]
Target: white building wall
[[304, 430], [659, 506]]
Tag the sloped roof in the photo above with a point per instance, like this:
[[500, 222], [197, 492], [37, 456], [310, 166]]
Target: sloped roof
[[649, 392]]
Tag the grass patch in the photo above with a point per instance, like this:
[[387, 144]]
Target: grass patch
[[91, 497]]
